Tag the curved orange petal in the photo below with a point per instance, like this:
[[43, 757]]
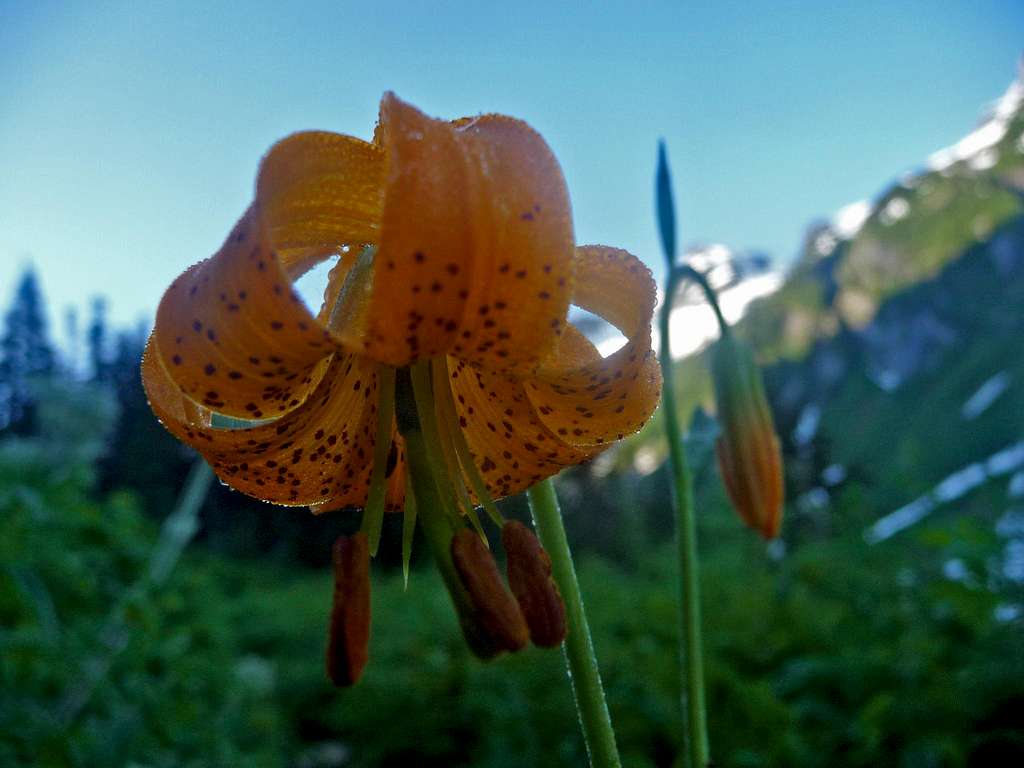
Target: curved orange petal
[[318, 191], [572, 350], [475, 254], [394, 494], [604, 400], [511, 446], [318, 453], [231, 332], [234, 336]]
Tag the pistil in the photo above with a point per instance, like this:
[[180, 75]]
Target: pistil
[[490, 618]]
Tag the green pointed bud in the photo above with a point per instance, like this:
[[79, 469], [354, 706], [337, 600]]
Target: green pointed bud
[[748, 449], [665, 207]]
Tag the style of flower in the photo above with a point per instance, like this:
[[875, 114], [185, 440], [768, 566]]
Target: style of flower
[[448, 304], [748, 449]]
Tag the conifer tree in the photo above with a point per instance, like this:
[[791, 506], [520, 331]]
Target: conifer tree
[[142, 455], [25, 354], [96, 339]]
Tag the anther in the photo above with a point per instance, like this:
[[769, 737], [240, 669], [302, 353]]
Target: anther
[[349, 635], [529, 576], [496, 615]]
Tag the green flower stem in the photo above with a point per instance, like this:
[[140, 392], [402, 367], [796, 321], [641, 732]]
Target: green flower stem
[[578, 647], [686, 532], [178, 529], [688, 272]]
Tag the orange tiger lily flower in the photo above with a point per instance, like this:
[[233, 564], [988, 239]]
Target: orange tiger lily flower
[[457, 262]]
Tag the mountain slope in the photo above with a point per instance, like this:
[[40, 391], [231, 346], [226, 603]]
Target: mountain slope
[[869, 252], [894, 349]]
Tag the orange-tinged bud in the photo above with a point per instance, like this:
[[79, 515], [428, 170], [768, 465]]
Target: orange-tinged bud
[[349, 636], [748, 449], [529, 577], [497, 620]]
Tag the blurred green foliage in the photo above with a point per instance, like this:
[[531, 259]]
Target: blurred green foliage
[[835, 654]]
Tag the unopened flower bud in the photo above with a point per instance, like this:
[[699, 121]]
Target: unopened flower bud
[[748, 449], [349, 635], [529, 577], [498, 623]]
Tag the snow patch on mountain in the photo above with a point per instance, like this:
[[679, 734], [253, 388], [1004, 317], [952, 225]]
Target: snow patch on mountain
[[850, 218], [977, 146], [977, 149], [737, 277], [985, 395], [951, 488]]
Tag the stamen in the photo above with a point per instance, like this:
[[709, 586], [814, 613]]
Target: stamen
[[408, 527], [445, 429], [440, 522], [373, 513], [422, 390], [446, 407], [348, 309], [355, 293]]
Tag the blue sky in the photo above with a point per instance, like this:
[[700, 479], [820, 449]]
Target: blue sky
[[130, 132]]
